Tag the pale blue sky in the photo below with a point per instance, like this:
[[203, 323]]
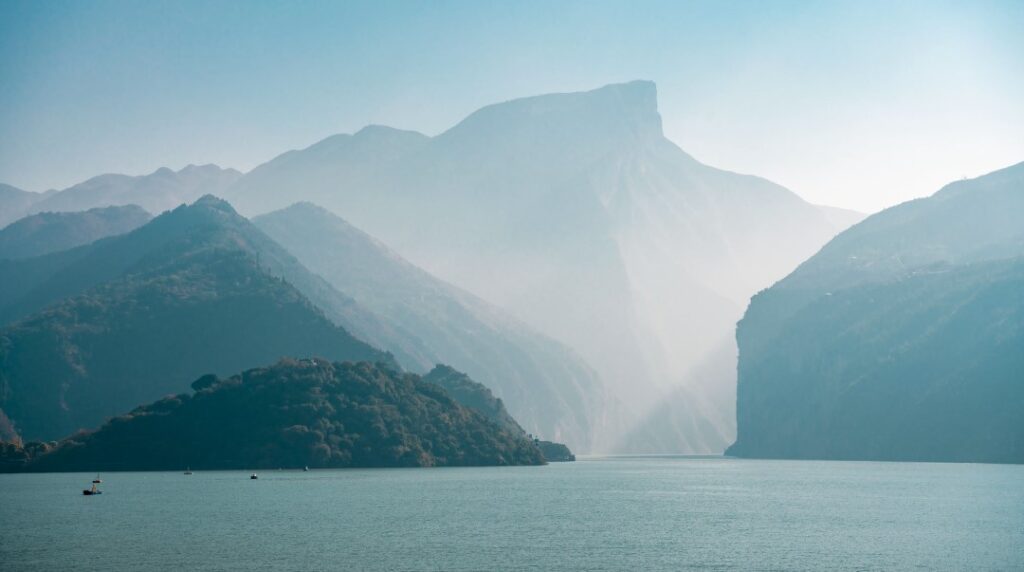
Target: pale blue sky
[[855, 104]]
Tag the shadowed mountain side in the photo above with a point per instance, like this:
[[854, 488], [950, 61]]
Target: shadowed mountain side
[[900, 340], [474, 395], [48, 232], [40, 281], [574, 213], [130, 317], [545, 386], [478, 397], [294, 414]]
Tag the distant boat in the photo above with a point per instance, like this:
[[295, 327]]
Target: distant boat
[[305, 469], [188, 470], [253, 476], [93, 490], [97, 480]]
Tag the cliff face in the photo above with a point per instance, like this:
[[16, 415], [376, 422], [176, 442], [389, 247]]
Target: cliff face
[[903, 339]]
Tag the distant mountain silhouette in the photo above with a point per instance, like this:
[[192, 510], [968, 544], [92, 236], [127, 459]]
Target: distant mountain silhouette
[[293, 414], [546, 387], [48, 232], [15, 203], [97, 330], [903, 339], [575, 213], [156, 192]]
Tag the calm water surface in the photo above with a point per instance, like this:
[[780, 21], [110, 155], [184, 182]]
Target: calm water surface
[[595, 514]]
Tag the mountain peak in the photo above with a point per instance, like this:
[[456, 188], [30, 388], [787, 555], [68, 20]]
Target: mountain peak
[[209, 168], [615, 111], [212, 202], [375, 131], [639, 93]]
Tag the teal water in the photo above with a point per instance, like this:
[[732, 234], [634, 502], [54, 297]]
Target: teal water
[[596, 514]]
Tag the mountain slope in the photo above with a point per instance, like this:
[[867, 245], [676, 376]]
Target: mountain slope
[[40, 281], [126, 319], [156, 192], [474, 395], [15, 203], [50, 232], [573, 212], [545, 386], [903, 339], [841, 218], [294, 414]]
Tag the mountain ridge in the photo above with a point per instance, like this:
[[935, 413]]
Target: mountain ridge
[[47, 232], [544, 384]]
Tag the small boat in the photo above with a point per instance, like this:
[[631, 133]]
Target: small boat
[[305, 469], [188, 470], [93, 490], [253, 476], [97, 480]]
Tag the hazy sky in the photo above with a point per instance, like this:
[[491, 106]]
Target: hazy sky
[[853, 104]]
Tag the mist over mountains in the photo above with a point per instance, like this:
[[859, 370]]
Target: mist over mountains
[[156, 192], [546, 386], [576, 214], [558, 249], [561, 252]]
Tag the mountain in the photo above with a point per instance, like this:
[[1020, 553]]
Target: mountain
[[903, 339], [545, 386], [15, 203], [296, 413], [841, 218], [476, 396], [96, 330], [156, 192], [574, 213], [50, 232], [479, 398]]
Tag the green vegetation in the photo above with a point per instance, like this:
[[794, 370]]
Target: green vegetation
[[473, 395], [292, 414], [548, 388], [128, 319], [52, 232], [555, 452], [478, 397], [903, 339]]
